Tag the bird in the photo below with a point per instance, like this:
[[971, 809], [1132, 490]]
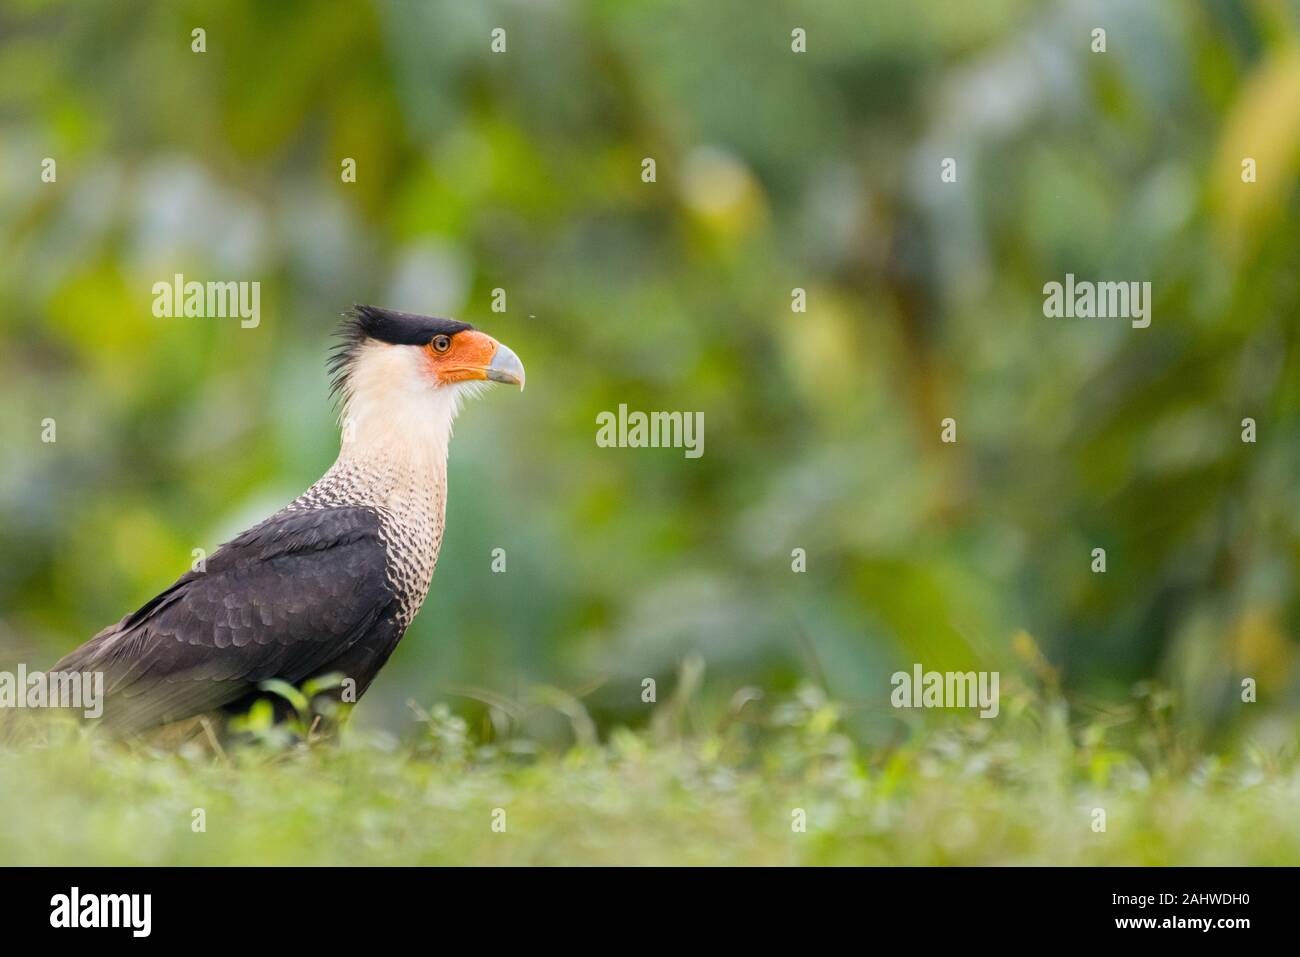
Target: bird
[[329, 584]]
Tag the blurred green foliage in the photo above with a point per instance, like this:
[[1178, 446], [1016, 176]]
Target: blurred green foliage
[[720, 783], [775, 170]]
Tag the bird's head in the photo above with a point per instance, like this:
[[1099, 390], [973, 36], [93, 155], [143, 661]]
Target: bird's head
[[400, 374]]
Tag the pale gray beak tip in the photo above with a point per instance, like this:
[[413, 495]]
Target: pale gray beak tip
[[506, 367]]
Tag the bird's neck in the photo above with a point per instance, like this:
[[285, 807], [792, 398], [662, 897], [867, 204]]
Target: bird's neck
[[393, 455]]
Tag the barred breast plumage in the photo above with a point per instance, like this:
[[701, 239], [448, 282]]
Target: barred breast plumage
[[410, 503]]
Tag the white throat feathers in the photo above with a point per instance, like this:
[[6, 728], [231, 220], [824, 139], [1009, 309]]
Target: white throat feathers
[[394, 413], [395, 431]]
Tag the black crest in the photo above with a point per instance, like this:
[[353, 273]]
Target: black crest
[[382, 325]]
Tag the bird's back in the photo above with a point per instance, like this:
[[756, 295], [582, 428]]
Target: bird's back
[[305, 592]]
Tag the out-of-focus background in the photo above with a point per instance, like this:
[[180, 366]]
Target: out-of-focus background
[[775, 170]]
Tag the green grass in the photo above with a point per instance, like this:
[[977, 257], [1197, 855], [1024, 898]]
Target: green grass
[[1018, 789]]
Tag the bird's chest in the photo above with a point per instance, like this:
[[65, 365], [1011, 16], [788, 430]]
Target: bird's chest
[[412, 533], [411, 504]]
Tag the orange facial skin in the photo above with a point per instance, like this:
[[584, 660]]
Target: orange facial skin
[[467, 359]]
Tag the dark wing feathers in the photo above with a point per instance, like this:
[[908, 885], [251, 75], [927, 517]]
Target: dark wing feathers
[[282, 600]]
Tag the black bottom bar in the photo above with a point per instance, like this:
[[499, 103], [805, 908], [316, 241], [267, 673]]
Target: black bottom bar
[[364, 907]]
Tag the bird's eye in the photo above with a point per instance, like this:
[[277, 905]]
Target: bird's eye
[[441, 343]]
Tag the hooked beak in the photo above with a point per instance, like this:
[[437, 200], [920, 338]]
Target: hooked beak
[[506, 367]]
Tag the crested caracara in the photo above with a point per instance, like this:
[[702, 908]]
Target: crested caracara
[[329, 583]]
